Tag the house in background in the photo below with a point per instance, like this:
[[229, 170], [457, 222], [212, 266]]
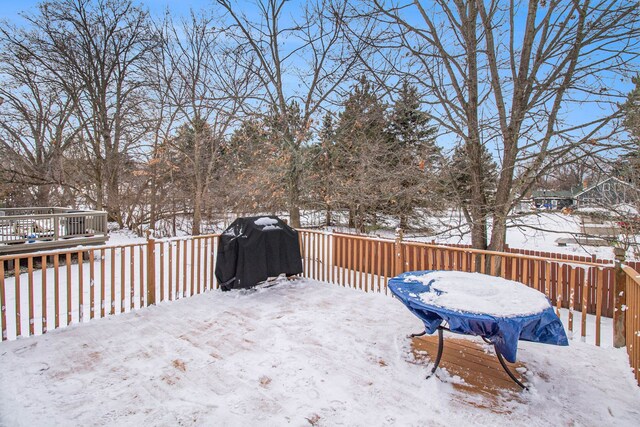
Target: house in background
[[552, 199], [611, 191]]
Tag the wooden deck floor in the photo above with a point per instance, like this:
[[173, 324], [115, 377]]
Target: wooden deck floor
[[475, 363]]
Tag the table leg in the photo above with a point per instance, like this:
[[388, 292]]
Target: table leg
[[504, 365], [506, 369], [440, 349]]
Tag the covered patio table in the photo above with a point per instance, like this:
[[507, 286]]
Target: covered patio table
[[500, 311]]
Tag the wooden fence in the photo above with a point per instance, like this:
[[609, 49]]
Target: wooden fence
[[631, 313], [554, 255], [367, 263], [48, 290]]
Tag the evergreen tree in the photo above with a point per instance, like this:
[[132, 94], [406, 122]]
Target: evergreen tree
[[267, 162], [196, 153], [288, 135], [631, 109], [414, 154], [323, 165], [627, 166], [457, 182], [252, 179], [361, 149]]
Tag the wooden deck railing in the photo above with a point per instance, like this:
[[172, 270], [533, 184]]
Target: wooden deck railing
[[632, 318], [367, 263], [48, 228], [47, 290]]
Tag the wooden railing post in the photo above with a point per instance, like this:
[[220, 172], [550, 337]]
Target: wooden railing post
[[620, 298], [398, 263], [56, 227], [105, 224], [151, 268]]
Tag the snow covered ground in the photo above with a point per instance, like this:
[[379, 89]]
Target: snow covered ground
[[298, 353], [537, 232]]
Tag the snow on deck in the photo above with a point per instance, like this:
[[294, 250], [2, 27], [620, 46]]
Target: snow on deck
[[298, 353]]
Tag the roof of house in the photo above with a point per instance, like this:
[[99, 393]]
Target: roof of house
[[552, 194], [612, 178]]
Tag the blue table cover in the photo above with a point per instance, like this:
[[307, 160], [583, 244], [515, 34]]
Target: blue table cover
[[544, 327]]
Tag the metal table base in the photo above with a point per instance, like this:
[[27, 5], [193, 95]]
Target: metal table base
[[441, 348]]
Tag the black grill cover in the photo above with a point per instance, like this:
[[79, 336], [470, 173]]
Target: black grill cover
[[253, 249]]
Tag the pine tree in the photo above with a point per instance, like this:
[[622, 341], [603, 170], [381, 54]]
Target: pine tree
[[414, 154], [252, 178], [288, 133], [627, 166], [457, 182], [631, 109], [360, 151], [324, 164], [196, 152], [268, 160]]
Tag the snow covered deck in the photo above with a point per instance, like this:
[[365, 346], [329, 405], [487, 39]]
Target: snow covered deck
[[33, 229], [298, 353]]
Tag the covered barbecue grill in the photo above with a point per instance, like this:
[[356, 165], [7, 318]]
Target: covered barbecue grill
[[255, 248]]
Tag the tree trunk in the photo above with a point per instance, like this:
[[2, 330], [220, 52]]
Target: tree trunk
[[153, 208], [99, 188], [498, 240], [478, 198], [197, 217], [479, 233], [197, 207], [498, 232], [153, 202], [42, 195], [174, 226], [294, 196], [113, 199], [294, 216], [359, 220], [403, 221], [327, 218]]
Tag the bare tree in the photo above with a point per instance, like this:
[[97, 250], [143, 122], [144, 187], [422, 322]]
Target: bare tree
[[516, 77], [164, 112], [98, 50], [208, 83], [301, 60], [571, 174], [37, 123]]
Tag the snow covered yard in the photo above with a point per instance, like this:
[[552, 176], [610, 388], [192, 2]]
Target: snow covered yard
[[536, 231], [298, 353]]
